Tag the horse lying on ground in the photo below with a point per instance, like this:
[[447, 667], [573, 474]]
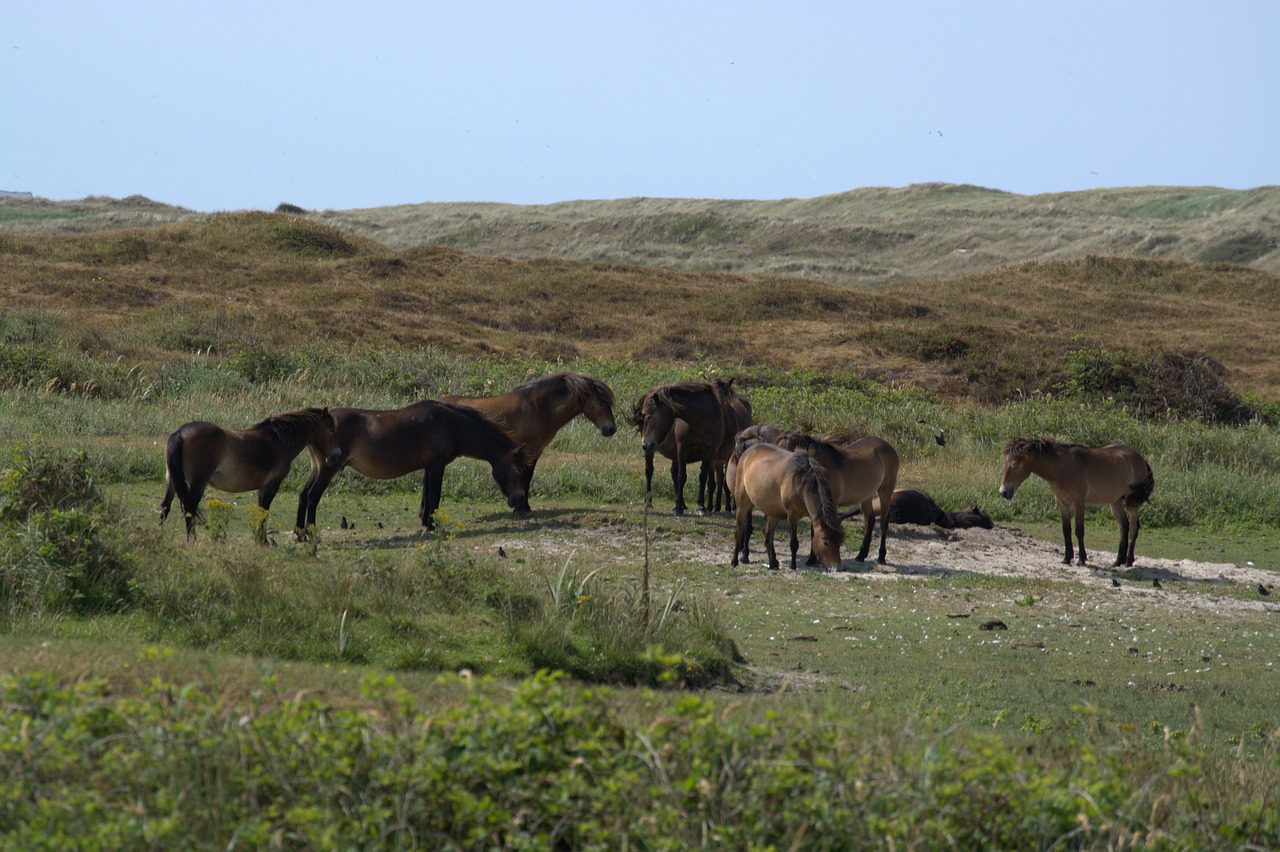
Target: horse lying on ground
[[199, 455], [913, 506], [1080, 476]]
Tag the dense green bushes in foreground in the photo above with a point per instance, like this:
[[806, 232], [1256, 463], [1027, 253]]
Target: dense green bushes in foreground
[[551, 766]]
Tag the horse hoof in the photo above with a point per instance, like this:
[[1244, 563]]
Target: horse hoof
[[677, 511]]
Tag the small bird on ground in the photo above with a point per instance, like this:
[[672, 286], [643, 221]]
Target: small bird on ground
[[1115, 582], [1262, 590], [502, 551], [1156, 583], [343, 523]]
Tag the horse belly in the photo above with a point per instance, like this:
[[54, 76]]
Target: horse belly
[[233, 477]]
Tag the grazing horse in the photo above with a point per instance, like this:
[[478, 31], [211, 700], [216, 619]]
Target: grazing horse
[[858, 469], [200, 454], [686, 422], [913, 506], [784, 484], [534, 412], [1082, 476], [424, 436]]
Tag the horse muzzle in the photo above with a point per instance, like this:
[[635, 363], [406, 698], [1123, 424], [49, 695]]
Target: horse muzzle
[[649, 445], [334, 458], [608, 429], [515, 499], [1007, 491]]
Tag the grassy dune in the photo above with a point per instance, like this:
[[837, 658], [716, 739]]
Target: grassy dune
[[866, 713]]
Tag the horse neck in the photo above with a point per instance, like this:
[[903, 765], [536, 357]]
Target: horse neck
[[294, 431], [476, 438]]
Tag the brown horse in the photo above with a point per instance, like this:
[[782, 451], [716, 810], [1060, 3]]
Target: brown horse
[[713, 478], [534, 412], [1083, 476], [200, 454], [913, 506], [858, 469], [424, 436], [686, 422], [784, 484]]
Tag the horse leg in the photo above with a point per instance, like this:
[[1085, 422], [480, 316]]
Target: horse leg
[[524, 508], [886, 499], [1064, 511], [648, 479], [309, 499], [679, 475], [795, 541], [869, 516], [267, 492], [191, 511], [741, 535], [432, 484], [1080, 530], [1134, 525], [704, 497], [770, 527], [1122, 521]]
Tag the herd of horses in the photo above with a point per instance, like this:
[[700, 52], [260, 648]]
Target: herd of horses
[[745, 467]]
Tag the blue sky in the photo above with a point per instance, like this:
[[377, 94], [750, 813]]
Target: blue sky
[[233, 105]]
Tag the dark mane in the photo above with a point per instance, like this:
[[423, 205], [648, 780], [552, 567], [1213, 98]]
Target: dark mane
[[293, 427], [1036, 447], [581, 388], [816, 481], [484, 425]]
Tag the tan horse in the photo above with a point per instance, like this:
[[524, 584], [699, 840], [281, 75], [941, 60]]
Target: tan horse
[[784, 484], [425, 436], [858, 470], [1083, 476], [199, 455], [534, 412]]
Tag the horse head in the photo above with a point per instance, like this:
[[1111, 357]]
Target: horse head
[[597, 403], [1018, 454]]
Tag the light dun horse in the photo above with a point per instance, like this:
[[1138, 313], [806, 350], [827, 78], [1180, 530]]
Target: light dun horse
[[533, 413], [200, 454], [784, 484], [1082, 476], [424, 436], [858, 470]]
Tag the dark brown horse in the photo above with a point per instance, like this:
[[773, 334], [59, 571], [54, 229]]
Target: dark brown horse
[[686, 422], [784, 484], [199, 455], [534, 412], [424, 436], [858, 470], [1083, 476], [913, 506], [713, 480]]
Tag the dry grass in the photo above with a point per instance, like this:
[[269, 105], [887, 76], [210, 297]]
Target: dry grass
[[267, 281]]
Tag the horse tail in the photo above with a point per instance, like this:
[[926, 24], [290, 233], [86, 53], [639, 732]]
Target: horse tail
[[1140, 492], [176, 474]]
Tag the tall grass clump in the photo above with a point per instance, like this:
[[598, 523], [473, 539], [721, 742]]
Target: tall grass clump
[[60, 546], [603, 634]]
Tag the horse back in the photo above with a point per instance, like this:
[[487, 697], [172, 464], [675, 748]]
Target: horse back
[[1112, 473]]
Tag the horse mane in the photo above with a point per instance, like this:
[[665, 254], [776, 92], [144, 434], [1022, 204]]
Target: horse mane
[[815, 480], [293, 427], [1036, 447], [668, 394], [582, 388], [486, 425], [841, 437]]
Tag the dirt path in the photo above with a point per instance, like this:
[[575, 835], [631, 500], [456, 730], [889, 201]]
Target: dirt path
[[914, 552]]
